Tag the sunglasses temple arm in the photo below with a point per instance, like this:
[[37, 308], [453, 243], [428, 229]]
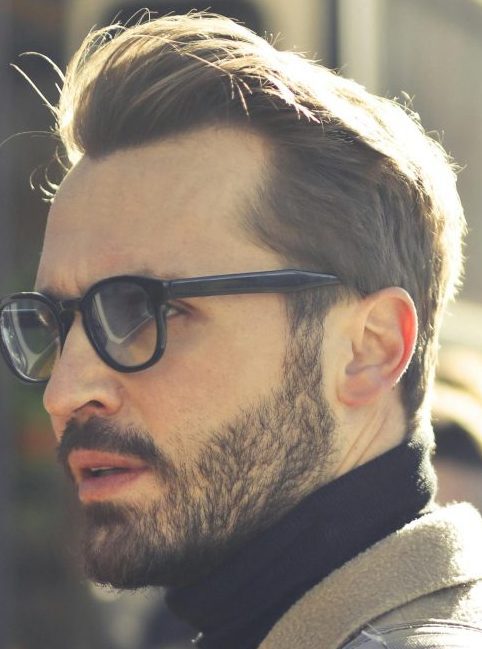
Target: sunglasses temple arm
[[270, 282]]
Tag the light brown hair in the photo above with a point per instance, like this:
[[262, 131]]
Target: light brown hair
[[357, 189]]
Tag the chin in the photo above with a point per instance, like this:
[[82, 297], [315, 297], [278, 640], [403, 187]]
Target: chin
[[126, 547]]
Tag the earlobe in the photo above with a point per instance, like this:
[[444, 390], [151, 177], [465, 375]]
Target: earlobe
[[383, 337]]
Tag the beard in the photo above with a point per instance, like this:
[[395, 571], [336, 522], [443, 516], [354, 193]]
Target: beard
[[250, 472]]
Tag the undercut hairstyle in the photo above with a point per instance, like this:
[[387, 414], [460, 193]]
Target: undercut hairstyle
[[355, 187]]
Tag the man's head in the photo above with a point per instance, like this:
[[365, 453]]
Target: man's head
[[352, 185], [197, 150]]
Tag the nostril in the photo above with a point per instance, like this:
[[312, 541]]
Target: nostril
[[93, 404]]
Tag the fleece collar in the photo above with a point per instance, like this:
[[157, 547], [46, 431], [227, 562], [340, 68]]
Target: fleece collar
[[439, 550]]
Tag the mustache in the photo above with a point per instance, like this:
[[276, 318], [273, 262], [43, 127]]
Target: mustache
[[99, 435]]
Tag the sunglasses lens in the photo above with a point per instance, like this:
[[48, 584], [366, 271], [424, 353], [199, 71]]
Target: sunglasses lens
[[123, 323], [30, 337]]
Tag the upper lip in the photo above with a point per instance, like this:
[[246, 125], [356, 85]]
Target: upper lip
[[83, 461]]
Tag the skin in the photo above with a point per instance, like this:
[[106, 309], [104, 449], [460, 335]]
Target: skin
[[188, 229], [171, 209]]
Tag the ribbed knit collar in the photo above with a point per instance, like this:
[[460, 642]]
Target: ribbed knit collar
[[236, 605]]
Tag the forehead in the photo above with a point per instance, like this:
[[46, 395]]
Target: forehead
[[173, 207]]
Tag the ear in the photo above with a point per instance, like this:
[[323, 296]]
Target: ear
[[383, 335]]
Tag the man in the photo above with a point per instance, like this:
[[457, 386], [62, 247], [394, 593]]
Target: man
[[239, 297]]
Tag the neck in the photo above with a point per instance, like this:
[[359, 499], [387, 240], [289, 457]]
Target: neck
[[370, 432]]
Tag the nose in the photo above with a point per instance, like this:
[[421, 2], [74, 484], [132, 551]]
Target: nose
[[81, 384]]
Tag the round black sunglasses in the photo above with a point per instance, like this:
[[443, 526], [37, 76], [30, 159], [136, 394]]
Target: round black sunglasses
[[124, 317]]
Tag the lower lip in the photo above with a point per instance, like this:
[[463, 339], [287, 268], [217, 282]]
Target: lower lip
[[108, 487]]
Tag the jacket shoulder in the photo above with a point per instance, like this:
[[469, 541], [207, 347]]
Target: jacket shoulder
[[429, 570], [442, 634]]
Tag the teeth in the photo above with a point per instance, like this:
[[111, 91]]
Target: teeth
[[104, 470], [99, 469]]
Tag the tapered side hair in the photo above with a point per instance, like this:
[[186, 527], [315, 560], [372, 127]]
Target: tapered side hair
[[356, 188]]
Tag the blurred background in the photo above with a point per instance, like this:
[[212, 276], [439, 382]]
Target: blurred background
[[427, 50]]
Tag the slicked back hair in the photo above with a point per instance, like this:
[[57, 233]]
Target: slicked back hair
[[356, 187]]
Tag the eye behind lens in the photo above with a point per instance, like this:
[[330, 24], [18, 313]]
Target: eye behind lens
[[122, 323]]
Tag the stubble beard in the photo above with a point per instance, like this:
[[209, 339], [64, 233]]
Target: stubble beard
[[249, 474]]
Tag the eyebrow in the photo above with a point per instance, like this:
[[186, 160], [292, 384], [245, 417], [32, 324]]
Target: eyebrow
[[148, 272], [53, 293]]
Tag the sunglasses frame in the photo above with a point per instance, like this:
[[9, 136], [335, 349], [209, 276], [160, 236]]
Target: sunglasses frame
[[160, 292]]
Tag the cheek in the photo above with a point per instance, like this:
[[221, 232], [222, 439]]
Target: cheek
[[208, 379]]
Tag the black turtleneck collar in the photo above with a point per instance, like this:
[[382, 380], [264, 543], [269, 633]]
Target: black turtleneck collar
[[241, 600]]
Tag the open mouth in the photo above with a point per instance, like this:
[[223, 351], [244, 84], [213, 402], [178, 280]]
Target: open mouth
[[102, 472], [100, 475]]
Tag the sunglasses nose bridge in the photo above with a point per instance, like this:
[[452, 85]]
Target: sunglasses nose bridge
[[66, 316]]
